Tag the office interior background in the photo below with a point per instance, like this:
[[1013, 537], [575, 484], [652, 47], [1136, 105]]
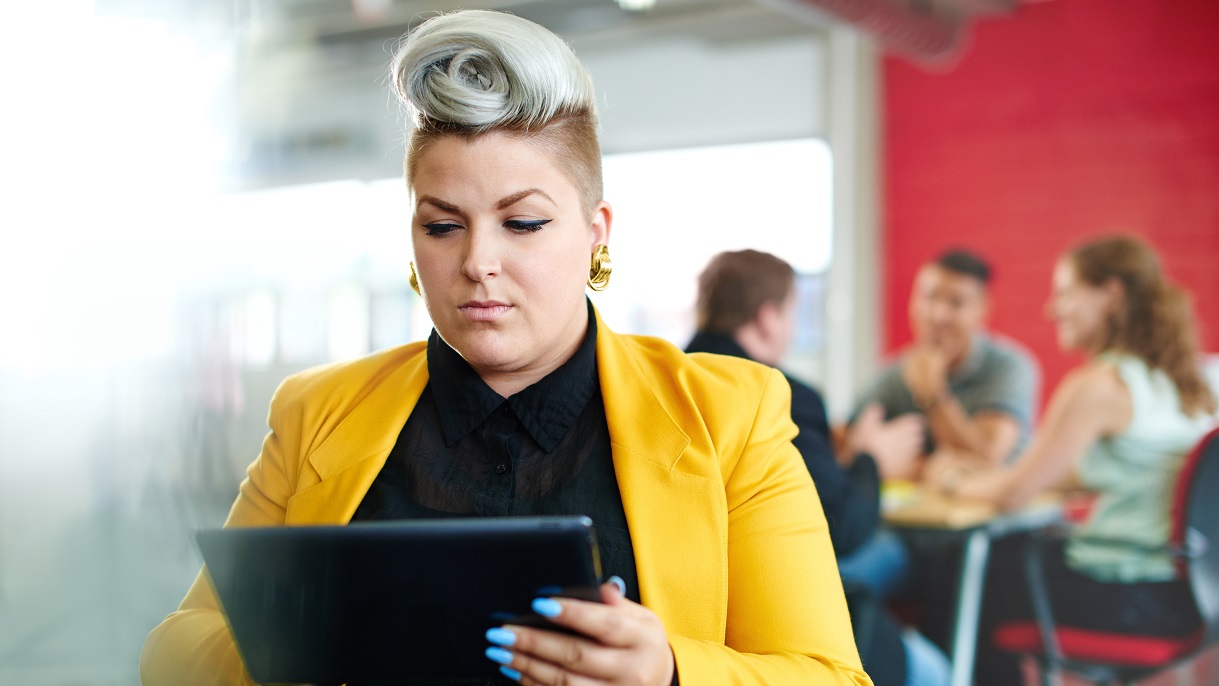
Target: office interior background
[[203, 196]]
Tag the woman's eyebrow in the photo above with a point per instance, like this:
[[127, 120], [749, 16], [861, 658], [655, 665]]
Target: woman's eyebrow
[[436, 202], [510, 200]]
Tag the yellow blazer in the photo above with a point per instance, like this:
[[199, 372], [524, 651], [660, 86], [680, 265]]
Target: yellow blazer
[[731, 546]]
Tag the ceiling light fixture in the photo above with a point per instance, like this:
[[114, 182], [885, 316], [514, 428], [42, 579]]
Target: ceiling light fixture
[[637, 5]]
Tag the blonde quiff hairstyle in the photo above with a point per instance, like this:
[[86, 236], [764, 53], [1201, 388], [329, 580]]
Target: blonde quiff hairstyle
[[474, 72], [1155, 320]]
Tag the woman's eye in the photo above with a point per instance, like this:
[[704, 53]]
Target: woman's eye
[[528, 226], [440, 228]]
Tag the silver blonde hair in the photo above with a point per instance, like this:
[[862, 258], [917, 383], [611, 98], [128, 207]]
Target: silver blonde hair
[[476, 70], [473, 72]]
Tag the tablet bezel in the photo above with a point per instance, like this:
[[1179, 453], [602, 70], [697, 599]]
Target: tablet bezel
[[324, 604]]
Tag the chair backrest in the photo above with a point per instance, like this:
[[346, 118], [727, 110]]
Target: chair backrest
[[1196, 528]]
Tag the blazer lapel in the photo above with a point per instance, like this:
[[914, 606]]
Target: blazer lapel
[[676, 514], [350, 459]]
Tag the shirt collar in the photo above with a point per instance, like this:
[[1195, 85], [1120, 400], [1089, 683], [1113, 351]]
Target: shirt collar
[[972, 363], [547, 409]]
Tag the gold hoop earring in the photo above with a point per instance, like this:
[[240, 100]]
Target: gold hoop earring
[[599, 271], [413, 280]]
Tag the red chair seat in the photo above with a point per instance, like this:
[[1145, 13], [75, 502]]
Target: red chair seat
[[1097, 646]]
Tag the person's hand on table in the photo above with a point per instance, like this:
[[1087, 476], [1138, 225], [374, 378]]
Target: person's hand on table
[[621, 642], [959, 476], [896, 445], [943, 470]]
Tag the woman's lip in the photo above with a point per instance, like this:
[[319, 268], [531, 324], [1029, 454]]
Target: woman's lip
[[484, 311]]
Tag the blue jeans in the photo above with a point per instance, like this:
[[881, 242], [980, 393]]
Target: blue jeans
[[926, 664], [882, 564]]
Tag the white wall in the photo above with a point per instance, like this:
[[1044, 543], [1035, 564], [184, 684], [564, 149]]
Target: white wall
[[681, 92]]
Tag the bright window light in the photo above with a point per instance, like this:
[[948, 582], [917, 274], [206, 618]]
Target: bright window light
[[675, 209]]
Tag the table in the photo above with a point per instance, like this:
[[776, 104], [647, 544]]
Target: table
[[906, 506]]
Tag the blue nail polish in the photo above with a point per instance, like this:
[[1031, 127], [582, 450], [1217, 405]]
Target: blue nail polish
[[501, 637], [547, 607], [617, 581], [510, 673], [499, 655]]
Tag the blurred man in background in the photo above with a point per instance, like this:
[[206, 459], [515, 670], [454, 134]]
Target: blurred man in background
[[747, 308], [976, 393]]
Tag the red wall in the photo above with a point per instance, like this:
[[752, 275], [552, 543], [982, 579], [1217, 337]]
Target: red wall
[[1068, 119]]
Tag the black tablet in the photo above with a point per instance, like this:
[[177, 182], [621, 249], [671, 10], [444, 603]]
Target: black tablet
[[391, 602]]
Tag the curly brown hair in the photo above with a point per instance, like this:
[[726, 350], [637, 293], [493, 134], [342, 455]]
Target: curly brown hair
[[1156, 320]]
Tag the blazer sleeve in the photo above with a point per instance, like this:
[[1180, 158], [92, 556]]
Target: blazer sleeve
[[193, 646], [787, 617]]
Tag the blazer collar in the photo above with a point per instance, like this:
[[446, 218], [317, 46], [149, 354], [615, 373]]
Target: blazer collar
[[638, 422], [676, 513], [350, 458]]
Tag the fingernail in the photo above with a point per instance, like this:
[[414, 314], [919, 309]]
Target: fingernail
[[510, 673], [501, 637], [547, 607], [617, 581], [499, 655]]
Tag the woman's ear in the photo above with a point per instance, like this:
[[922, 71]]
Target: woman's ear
[[1115, 293], [603, 220]]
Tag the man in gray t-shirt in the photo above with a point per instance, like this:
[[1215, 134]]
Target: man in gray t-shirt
[[976, 393]]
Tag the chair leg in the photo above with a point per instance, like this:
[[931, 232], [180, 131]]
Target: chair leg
[[1048, 673]]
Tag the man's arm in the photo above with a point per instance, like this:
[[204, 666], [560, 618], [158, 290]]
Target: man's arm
[[991, 434]]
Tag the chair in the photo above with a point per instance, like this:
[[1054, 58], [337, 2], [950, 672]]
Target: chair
[[1109, 658]]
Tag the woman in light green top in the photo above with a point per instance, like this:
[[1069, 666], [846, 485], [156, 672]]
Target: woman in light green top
[[1120, 425]]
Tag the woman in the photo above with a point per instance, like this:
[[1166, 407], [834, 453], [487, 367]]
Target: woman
[[703, 506], [1119, 425]]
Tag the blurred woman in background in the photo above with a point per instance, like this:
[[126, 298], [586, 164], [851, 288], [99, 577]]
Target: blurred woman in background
[[1119, 425]]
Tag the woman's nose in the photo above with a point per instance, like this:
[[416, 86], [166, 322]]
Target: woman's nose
[[482, 259]]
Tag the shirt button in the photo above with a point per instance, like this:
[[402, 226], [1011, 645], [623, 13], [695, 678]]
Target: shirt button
[[501, 468], [507, 411]]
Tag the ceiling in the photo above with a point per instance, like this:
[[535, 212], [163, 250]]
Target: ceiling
[[304, 94], [272, 24], [927, 30]]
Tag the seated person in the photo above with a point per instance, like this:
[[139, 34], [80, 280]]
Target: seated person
[[1120, 425], [975, 392], [522, 402], [746, 308]]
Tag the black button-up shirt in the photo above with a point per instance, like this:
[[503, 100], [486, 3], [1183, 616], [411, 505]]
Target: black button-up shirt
[[467, 451]]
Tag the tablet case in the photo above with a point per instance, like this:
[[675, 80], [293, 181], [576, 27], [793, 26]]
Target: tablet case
[[391, 602]]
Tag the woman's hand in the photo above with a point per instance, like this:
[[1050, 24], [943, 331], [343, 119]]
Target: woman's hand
[[621, 642]]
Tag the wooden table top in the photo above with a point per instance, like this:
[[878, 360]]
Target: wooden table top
[[907, 504]]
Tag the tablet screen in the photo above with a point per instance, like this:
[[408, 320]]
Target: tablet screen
[[391, 602]]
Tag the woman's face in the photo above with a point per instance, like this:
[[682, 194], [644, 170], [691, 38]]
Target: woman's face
[[502, 249], [1079, 309]]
